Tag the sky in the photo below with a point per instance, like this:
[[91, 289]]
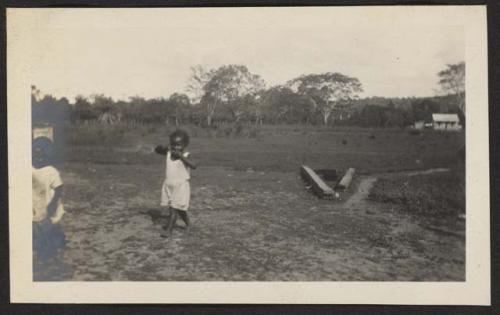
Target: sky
[[149, 53]]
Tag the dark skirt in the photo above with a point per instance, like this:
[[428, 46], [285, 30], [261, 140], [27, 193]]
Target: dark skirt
[[48, 238]]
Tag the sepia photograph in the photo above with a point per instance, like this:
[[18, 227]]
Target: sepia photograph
[[249, 145]]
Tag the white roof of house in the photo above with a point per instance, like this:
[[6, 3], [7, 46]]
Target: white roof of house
[[445, 117]]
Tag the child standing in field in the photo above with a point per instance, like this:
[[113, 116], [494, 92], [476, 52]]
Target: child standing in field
[[175, 192], [48, 209]]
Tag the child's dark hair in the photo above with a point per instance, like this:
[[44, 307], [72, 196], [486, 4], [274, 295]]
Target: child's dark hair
[[179, 135]]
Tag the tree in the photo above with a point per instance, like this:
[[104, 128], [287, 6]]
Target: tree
[[83, 110], [230, 86], [181, 105], [49, 109], [327, 91], [422, 109], [372, 116], [452, 81], [197, 81], [35, 94], [281, 104], [102, 103], [396, 117]]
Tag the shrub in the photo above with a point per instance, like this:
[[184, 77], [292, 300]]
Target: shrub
[[238, 128], [438, 194], [95, 134], [254, 133], [414, 132]]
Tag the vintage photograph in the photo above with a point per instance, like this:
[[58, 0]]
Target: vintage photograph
[[203, 145], [170, 152]]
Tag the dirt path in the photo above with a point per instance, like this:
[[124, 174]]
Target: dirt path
[[358, 199], [247, 226], [409, 241]]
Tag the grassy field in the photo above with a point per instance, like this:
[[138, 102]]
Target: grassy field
[[435, 194], [252, 217], [276, 148]]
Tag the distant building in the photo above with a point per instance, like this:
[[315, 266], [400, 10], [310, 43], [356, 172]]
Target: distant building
[[446, 122], [418, 124]]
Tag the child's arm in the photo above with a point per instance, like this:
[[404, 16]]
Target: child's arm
[[52, 206], [161, 150], [187, 161]]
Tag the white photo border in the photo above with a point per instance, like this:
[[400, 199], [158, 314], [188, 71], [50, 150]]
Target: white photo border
[[474, 291]]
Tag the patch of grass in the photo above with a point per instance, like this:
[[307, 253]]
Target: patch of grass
[[438, 194], [278, 148], [95, 134], [98, 134]]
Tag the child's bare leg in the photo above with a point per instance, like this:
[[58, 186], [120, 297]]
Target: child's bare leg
[[184, 216], [171, 222], [165, 211]]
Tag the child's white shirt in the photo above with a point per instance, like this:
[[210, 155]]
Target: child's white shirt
[[45, 181], [176, 171]]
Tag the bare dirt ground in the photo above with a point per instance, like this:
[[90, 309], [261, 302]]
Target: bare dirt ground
[[247, 226]]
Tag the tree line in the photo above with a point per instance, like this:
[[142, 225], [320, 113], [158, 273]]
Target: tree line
[[232, 94]]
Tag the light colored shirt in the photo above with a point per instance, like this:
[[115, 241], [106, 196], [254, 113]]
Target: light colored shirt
[[176, 171], [45, 181]]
